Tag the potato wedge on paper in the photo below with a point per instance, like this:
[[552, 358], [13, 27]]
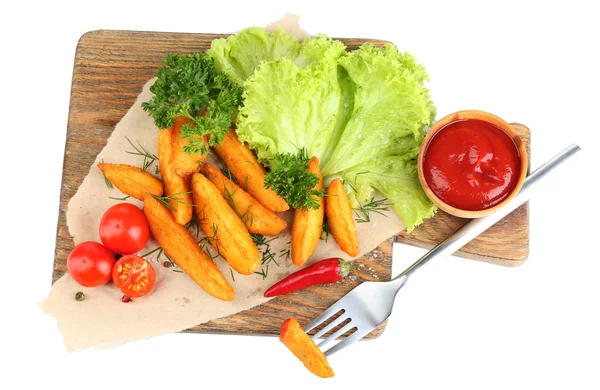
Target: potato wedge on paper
[[224, 229], [132, 181], [248, 172], [304, 348], [177, 188], [340, 218], [308, 224], [258, 218], [182, 163], [182, 248]]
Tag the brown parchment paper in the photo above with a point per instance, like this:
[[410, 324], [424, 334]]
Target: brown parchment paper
[[176, 302]]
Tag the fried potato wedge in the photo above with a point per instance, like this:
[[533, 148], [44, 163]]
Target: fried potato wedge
[[176, 187], [182, 163], [308, 224], [339, 216], [258, 218], [132, 181], [225, 230], [182, 248], [304, 348], [246, 169]]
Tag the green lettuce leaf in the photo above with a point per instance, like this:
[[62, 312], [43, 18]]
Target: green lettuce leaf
[[305, 116], [239, 55], [381, 140], [362, 113]]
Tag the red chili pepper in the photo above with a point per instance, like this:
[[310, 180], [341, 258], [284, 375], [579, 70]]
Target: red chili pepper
[[321, 272]]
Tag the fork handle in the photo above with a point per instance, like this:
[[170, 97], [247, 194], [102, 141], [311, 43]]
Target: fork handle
[[477, 226]]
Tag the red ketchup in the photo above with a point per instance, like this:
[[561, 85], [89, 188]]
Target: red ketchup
[[471, 164]]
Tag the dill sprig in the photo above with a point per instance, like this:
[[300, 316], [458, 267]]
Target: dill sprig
[[106, 181], [123, 198], [245, 216], [210, 239], [285, 253], [195, 223], [165, 199], [231, 272], [225, 171], [268, 256], [149, 158], [263, 272], [157, 249], [160, 251], [260, 240], [363, 211]]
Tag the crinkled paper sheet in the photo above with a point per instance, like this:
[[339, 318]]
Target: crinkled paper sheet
[[176, 302]]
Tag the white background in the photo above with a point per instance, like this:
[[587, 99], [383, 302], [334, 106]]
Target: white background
[[458, 324]]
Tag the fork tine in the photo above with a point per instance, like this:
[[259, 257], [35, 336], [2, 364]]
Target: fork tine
[[337, 334], [345, 342], [330, 326], [324, 316]]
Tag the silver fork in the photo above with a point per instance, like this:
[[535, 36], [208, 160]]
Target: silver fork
[[370, 303]]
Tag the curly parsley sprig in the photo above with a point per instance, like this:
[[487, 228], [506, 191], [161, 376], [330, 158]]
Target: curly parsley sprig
[[190, 86], [289, 178]]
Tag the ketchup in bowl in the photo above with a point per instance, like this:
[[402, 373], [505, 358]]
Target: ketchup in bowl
[[471, 164]]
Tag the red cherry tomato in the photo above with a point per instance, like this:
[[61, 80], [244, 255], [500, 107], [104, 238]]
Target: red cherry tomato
[[90, 264], [124, 229], [134, 276]]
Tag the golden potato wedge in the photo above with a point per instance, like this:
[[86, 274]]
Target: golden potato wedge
[[246, 169], [175, 186], [132, 181], [258, 218], [182, 248], [340, 219], [308, 224], [304, 348], [225, 230], [182, 163]]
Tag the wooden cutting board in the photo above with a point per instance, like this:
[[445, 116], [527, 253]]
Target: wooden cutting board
[[110, 70]]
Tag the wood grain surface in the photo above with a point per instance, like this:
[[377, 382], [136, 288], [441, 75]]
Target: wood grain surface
[[109, 72]]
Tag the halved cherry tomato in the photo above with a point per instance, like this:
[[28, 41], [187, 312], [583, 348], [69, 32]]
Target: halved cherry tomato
[[90, 264], [124, 229], [134, 276]]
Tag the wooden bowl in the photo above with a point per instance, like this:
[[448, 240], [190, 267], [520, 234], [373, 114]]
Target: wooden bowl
[[485, 117]]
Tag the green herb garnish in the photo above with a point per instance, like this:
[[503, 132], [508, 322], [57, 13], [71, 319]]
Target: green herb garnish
[[190, 86], [285, 253], [263, 272], [210, 239], [123, 198], [268, 256], [290, 179], [165, 199], [376, 206], [149, 158], [106, 181]]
